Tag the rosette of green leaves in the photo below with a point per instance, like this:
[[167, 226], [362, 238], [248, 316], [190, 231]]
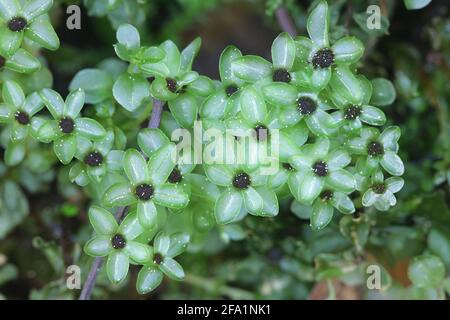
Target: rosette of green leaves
[[246, 191], [18, 113], [320, 167], [353, 112], [224, 102], [321, 58], [67, 124], [150, 140], [162, 262], [95, 160], [285, 79], [115, 242], [257, 120], [297, 105], [132, 89], [323, 207], [147, 185], [377, 149], [255, 115], [380, 191], [26, 19], [175, 82]]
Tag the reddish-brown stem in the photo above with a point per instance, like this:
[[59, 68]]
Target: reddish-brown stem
[[285, 21]]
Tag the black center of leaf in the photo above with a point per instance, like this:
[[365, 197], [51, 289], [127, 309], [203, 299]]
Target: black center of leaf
[[17, 24], [281, 75], [306, 105], [22, 117], [352, 113], [261, 132], [93, 159], [67, 125], [320, 169], [287, 166], [175, 176], [326, 195], [375, 148], [171, 85], [241, 181], [118, 241], [231, 89], [150, 79], [158, 258], [144, 191], [2, 61], [323, 58], [379, 188]]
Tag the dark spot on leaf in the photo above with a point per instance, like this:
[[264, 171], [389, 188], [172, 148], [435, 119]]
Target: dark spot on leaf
[[326, 195], [379, 188], [352, 113], [118, 242], [144, 192], [241, 181], [323, 58], [171, 85], [67, 125], [17, 24], [375, 148], [320, 169], [231, 89], [22, 117], [306, 105], [93, 159], [158, 258], [281, 75]]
